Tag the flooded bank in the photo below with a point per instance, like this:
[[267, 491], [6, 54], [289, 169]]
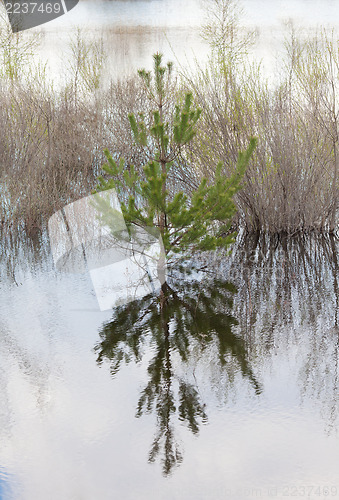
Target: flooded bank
[[228, 388]]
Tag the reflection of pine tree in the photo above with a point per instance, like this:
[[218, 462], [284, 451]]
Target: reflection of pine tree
[[159, 390], [185, 314]]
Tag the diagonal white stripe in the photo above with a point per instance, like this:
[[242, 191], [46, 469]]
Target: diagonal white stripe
[[63, 5]]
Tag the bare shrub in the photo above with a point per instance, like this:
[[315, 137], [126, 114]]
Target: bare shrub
[[291, 184], [51, 148]]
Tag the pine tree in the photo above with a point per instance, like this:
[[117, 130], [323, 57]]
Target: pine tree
[[187, 224]]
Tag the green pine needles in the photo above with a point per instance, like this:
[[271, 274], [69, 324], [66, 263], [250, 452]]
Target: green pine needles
[[187, 223]]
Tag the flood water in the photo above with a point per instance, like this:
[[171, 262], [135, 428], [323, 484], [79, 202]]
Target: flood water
[[132, 30], [231, 392]]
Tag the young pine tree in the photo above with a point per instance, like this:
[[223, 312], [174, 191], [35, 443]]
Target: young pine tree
[[186, 224]]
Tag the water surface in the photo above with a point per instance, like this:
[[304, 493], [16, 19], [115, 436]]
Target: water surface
[[132, 30], [234, 390]]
